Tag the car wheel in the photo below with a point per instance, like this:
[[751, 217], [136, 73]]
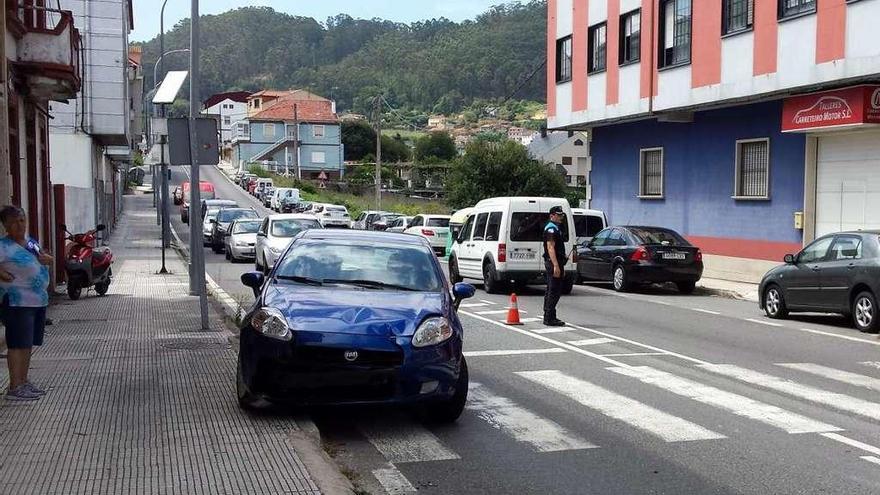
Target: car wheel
[[774, 303], [449, 410], [246, 400], [454, 276], [865, 312], [102, 288], [491, 284], [228, 256], [686, 287], [257, 266], [567, 286], [621, 284], [73, 290]]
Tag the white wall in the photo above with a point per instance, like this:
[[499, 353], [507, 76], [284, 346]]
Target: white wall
[[237, 113], [79, 209]]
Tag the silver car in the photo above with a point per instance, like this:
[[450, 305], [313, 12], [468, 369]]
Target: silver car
[[242, 239], [275, 234]]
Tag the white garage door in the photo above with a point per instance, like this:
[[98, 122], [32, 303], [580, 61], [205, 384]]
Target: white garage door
[[848, 182]]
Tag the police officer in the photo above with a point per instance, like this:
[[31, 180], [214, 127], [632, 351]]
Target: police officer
[[554, 264]]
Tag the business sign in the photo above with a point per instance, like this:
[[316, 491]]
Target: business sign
[[855, 106]]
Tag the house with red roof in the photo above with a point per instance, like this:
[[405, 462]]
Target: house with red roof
[[293, 131]]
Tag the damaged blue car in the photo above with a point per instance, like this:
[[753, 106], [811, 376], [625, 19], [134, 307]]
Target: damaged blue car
[[354, 317]]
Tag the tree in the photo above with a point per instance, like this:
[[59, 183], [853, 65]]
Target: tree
[[499, 168], [359, 140], [435, 147]]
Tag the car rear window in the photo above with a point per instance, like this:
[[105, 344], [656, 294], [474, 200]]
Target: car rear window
[[335, 208], [663, 237], [247, 227], [230, 215], [529, 227], [401, 267], [290, 227], [437, 222], [587, 225]]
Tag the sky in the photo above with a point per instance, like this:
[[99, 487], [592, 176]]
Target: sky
[[146, 12]]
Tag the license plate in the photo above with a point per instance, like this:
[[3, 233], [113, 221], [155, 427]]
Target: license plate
[[522, 256], [674, 256]]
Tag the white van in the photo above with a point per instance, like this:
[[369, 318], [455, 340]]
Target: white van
[[262, 185], [502, 242], [282, 193], [588, 223]]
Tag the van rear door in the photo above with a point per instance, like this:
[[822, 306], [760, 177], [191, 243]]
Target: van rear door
[[526, 220]]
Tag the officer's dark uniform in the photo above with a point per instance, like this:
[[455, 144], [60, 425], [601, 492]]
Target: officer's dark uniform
[[553, 292]]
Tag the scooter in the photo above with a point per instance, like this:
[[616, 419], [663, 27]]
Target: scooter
[[87, 265]]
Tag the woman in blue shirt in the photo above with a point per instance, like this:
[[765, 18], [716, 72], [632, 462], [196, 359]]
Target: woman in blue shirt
[[24, 282]]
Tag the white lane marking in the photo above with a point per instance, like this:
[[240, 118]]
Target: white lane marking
[[870, 458], [737, 404], [525, 320], [402, 442], [813, 394], [596, 341], [495, 312], [707, 311], [520, 423], [630, 354], [835, 374], [852, 443], [646, 346], [544, 331], [839, 336], [473, 305], [873, 364], [642, 416], [393, 481], [488, 301], [514, 352], [763, 322]]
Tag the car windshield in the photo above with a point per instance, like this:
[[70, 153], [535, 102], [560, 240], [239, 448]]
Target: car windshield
[[246, 227], [290, 227], [437, 222], [335, 208], [529, 227], [230, 215], [370, 266], [587, 225], [210, 215], [664, 237]]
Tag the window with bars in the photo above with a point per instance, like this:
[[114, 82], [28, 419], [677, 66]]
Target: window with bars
[[788, 8], [563, 60], [675, 32], [737, 15], [597, 44], [630, 36], [651, 173], [753, 169]]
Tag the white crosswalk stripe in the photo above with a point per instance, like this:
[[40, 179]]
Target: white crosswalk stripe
[[474, 305], [835, 374], [495, 312], [393, 481], [837, 401], [872, 364], [642, 416], [735, 403], [544, 331], [596, 341], [520, 423], [400, 441]]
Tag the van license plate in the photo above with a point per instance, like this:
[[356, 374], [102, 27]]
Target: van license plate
[[522, 256], [674, 256]]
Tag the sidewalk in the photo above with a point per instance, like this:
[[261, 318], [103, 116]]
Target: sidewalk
[[139, 399], [726, 288]]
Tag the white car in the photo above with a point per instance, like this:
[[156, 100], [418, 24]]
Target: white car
[[282, 193], [275, 234], [434, 228], [242, 238], [331, 215], [366, 218], [588, 223], [502, 242], [399, 224]]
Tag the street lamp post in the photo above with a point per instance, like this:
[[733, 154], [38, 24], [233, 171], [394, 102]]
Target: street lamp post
[[196, 250]]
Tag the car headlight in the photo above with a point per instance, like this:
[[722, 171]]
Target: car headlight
[[432, 331], [276, 250], [271, 323]]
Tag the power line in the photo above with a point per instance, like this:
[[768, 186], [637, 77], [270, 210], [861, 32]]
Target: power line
[[525, 81], [403, 119]]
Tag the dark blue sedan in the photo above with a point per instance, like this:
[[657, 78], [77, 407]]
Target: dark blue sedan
[[354, 317]]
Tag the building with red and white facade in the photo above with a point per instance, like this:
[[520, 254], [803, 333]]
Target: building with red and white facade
[[750, 126]]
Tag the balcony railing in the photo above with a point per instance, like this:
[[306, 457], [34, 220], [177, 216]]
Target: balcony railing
[[49, 48]]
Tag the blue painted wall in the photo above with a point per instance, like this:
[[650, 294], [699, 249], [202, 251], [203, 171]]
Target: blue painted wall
[[699, 168], [330, 144]]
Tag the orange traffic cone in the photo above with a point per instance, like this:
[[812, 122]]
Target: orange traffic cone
[[513, 312]]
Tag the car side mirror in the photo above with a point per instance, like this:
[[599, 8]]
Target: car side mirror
[[261, 234], [101, 227], [462, 291], [254, 280], [213, 220], [789, 259]]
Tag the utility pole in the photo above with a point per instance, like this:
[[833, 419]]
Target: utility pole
[[166, 238], [377, 111], [196, 248], [296, 141]]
